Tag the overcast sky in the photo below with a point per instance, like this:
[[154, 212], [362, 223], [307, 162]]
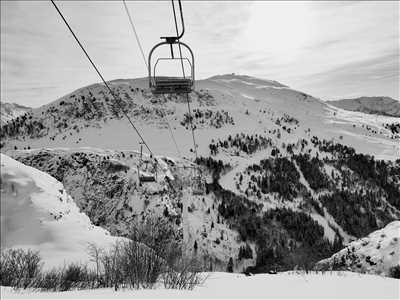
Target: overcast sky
[[328, 49]]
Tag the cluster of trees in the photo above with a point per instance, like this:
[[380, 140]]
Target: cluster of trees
[[22, 125], [286, 120], [304, 229], [393, 127], [210, 118], [245, 252], [277, 175], [383, 175], [311, 169], [283, 238], [241, 142], [355, 211], [216, 167]]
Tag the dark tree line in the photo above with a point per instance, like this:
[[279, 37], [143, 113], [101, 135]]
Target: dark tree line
[[242, 142], [277, 175], [311, 169]]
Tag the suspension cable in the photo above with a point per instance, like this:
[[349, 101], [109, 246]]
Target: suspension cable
[[102, 78], [183, 70], [145, 62], [135, 32], [172, 136]]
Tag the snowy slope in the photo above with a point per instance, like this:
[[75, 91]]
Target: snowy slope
[[89, 117], [38, 214], [374, 254], [104, 182], [330, 285], [10, 111], [371, 105]]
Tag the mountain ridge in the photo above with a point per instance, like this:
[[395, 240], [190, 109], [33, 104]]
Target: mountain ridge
[[378, 105]]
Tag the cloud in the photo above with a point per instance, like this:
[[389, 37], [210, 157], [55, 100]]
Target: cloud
[[330, 49]]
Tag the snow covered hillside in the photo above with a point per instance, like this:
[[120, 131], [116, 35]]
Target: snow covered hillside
[[374, 254], [330, 285], [225, 104], [38, 214], [10, 111], [288, 179], [105, 186], [371, 105]]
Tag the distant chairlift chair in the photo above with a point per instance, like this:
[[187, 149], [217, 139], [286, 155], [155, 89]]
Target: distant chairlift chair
[[146, 176]]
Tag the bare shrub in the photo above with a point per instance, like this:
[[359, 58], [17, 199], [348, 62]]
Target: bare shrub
[[127, 264], [19, 267], [184, 274], [158, 234]]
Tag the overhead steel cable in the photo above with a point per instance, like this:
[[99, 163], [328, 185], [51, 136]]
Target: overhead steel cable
[[177, 33], [183, 69], [145, 62], [136, 34], [102, 78], [173, 137]]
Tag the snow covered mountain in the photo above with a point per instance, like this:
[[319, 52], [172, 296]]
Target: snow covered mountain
[[374, 254], [288, 178], [385, 106], [37, 213], [10, 111], [225, 104]]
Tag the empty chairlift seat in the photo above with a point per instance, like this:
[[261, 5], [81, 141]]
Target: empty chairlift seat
[[178, 83]]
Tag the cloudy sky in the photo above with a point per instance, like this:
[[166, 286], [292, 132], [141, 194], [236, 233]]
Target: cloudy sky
[[329, 49]]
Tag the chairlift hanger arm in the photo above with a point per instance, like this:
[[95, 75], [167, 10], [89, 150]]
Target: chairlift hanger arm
[[173, 39]]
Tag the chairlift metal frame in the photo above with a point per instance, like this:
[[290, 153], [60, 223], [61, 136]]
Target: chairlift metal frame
[[171, 85], [166, 84]]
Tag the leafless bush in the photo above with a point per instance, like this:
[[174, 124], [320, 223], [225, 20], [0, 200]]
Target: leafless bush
[[154, 253], [158, 234], [184, 274], [19, 267], [128, 264]]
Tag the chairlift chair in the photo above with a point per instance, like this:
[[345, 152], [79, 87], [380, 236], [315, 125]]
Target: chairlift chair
[[198, 187], [171, 84], [146, 177]]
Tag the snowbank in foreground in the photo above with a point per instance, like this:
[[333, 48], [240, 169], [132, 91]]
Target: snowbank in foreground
[[227, 285], [37, 213], [374, 254]]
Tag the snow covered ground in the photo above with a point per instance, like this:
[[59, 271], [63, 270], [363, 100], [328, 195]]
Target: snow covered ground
[[38, 214], [338, 285], [374, 254]]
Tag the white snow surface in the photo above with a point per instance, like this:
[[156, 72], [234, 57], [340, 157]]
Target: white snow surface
[[374, 254], [38, 214], [338, 285]]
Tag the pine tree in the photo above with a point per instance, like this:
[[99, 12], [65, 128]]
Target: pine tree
[[230, 265]]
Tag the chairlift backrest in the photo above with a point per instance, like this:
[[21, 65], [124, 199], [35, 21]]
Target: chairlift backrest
[[176, 84]]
